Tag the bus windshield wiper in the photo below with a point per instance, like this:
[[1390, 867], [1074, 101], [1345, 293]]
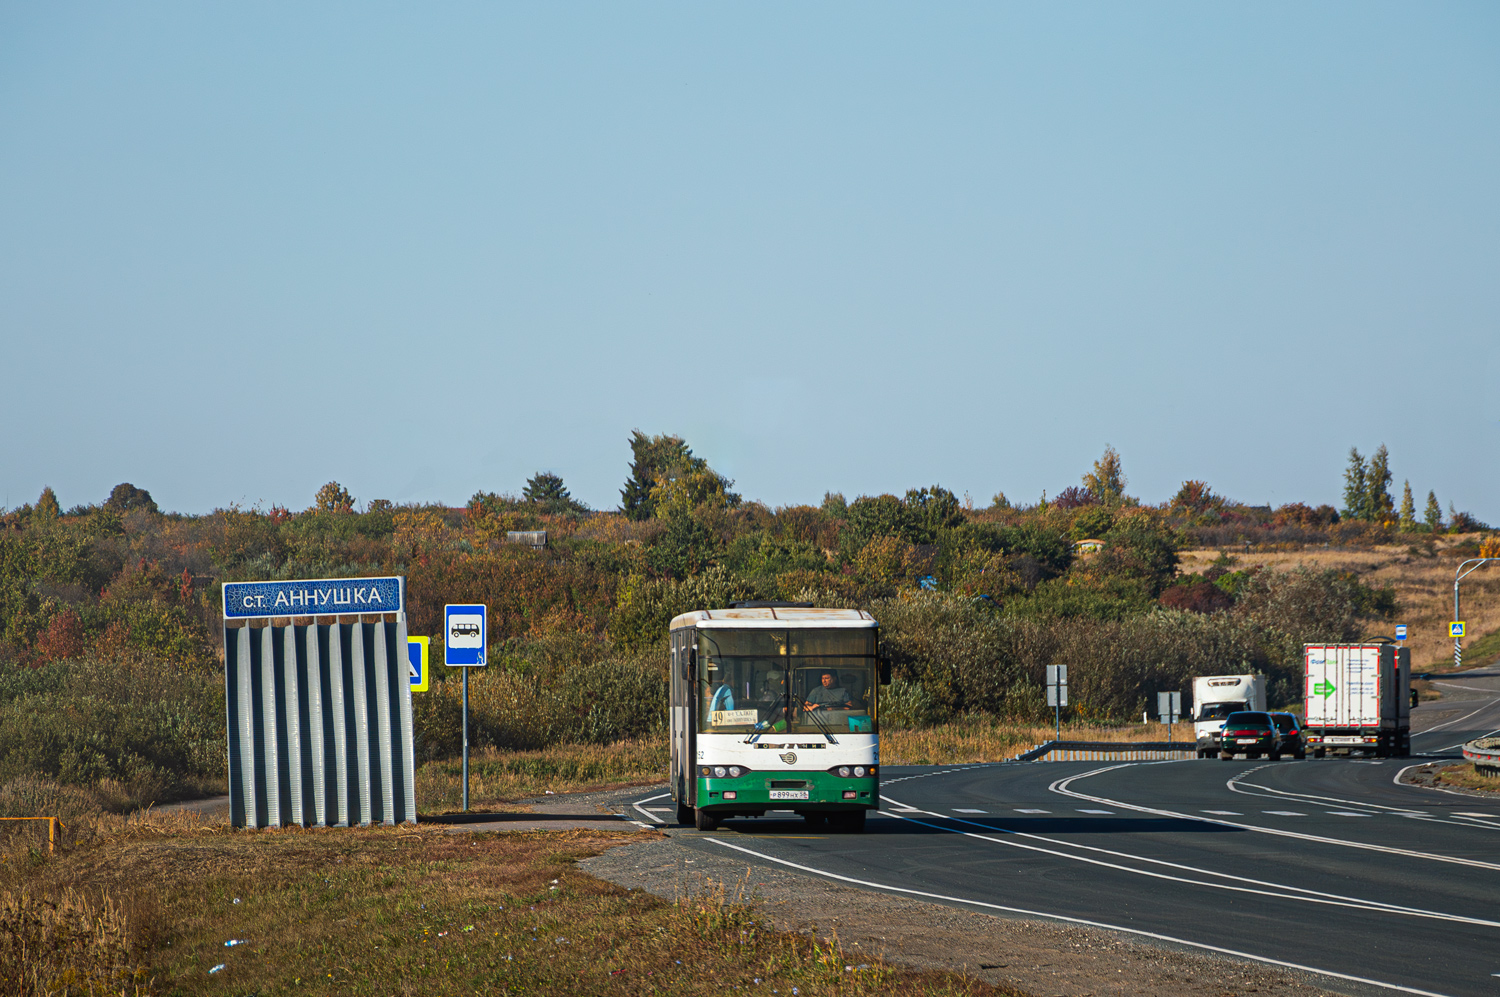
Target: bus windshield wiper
[[764, 726], [827, 731]]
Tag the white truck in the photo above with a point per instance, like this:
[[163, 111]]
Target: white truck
[[1217, 696], [1358, 699]]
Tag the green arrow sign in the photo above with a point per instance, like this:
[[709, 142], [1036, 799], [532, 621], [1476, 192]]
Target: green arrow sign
[[1325, 688]]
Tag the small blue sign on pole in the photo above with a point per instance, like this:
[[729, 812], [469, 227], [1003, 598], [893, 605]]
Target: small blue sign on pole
[[419, 654], [1401, 631], [465, 635]]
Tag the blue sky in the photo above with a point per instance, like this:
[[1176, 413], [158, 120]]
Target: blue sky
[[427, 250]]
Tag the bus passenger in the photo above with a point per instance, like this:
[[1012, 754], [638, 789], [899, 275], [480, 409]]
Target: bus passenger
[[723, 696], [828, 695]]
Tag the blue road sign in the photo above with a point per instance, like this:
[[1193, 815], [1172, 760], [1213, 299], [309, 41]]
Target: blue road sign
[[1401, 631], [314, 597], [419, 653], [465, 635]]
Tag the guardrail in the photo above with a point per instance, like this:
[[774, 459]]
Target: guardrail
[[53, 824], [1109, 751], [1485, 754]]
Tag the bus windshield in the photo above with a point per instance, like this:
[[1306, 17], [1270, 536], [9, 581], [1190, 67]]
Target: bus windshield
[[798, 681]]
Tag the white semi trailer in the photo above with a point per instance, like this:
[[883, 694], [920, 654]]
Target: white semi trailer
[[1358, 699], [1217, 696]]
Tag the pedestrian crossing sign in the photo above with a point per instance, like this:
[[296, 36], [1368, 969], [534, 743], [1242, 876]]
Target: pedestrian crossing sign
[[419, 658], [1456, 628]]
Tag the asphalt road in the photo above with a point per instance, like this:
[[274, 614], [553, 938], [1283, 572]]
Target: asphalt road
[[1327, 866]]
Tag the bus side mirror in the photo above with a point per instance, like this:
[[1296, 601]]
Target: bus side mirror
[[885, 671]]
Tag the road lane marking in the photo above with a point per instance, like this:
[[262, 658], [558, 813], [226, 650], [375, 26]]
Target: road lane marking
[[1296, 892], [1027, 810], [1060, 787], [1450, 723], [1235, 785], [1224, 813], [1284, 813], [1347, 813], [646, 812], [963, 810], [1082, 811], [1083, 921]]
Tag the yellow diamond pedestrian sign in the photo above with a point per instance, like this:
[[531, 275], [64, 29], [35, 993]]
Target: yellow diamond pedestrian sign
[[1456, 628]]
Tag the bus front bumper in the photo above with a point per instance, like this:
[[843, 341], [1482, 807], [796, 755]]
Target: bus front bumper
[[803, 792]]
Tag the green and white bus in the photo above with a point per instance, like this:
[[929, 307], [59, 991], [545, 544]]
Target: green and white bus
[[775, 706]]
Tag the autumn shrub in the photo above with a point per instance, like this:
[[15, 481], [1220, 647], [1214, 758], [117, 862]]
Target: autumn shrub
[[130, 730]]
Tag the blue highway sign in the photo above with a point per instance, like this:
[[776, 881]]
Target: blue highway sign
[[314, 597], [465, 635]]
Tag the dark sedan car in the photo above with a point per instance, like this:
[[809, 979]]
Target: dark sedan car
[[1251, 734], [1291, 734]]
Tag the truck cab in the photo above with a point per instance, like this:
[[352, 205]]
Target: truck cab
[[1215, 697]]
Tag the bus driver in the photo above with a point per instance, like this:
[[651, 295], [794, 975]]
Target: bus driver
[[829, 695]]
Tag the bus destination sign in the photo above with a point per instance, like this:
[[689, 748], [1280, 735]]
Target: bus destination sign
[[314, 597]]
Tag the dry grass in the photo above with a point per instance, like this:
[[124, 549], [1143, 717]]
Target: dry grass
[[382, 911], [498, 777], [1423, 585], [986, 740], [1464, 776]]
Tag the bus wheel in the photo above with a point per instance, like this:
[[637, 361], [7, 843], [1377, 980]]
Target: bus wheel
[[705, 821], [684, 814], [849, 823]]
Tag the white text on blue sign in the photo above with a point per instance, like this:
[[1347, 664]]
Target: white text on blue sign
[[313, 597]]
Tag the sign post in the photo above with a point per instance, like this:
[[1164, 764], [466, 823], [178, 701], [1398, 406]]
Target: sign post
[[1057, 693], [1456, 627], [1169, 709], [465, 638]]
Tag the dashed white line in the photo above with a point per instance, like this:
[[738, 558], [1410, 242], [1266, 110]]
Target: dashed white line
[[966, 810], [1346, 813], [1030, 810], [1082, 811], [1223, 813], [1284, 813]]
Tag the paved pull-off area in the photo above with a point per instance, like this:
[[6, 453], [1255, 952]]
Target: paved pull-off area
[[1191, 877]]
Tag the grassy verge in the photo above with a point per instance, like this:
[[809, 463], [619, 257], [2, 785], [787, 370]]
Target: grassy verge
[[986, 740], [1464, 776], [1483, 651], [151, 908], [497, 777]]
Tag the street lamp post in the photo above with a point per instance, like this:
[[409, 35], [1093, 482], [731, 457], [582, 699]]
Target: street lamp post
[[1459, 574]]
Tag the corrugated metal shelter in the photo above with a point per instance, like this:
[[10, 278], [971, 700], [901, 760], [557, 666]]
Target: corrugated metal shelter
[[320, 724]]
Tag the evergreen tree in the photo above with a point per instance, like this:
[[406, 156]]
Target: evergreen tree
[[547, 490], [1107, 481], [47, 506], [1408, 509], [1356, 497], [1433, 517], [666, 465], [1378, 502]]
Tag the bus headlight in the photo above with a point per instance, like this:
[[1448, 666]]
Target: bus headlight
[[720, 771], [843, 771], [859, 771], [735, 771]]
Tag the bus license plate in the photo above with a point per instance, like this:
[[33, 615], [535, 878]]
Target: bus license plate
[[789, 794]]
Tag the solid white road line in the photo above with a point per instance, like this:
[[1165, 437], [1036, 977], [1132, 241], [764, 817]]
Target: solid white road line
[[1266, 960], [1061, 787], [1276, 890]]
